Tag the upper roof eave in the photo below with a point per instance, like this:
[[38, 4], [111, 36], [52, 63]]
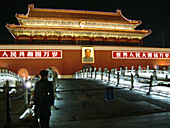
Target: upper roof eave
[[76, 15], [21, 16]]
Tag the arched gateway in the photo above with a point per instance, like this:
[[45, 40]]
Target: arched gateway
[[87, 66], [23, 72], [71, 33]]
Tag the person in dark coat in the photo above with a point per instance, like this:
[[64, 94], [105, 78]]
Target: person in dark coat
[[43, 99]]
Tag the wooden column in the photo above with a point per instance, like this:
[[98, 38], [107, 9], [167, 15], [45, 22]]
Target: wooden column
[[92, 39], [74, 39], [141, 41], [45, 38], [31, 37], [59, 38], [130, 41], [106, 40], [118, 40], [16, 39]]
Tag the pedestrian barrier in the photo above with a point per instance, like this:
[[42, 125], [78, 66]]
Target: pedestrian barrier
[[10, 98], [148, 80]]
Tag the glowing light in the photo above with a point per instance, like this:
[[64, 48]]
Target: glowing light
[[28, 84], [33, 84], [59, 76]]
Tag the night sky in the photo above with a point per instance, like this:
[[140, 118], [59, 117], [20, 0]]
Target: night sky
[[154, 15]]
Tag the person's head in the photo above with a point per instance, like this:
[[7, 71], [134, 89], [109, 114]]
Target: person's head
[[87, 53], [43, 74]]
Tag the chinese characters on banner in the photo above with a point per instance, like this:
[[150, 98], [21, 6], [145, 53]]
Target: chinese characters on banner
[[30, 54], [140, 55]]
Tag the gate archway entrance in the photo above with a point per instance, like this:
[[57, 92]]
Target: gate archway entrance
[[23, 72], [87, 66], [53, 73]]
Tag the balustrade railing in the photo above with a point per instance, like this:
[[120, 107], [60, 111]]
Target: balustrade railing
[[6, 74], [132, 78]]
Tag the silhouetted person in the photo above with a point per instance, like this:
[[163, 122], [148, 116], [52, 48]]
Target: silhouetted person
[[43, 99]]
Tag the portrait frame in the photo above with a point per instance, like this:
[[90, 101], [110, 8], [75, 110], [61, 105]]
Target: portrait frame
[[84, 57]]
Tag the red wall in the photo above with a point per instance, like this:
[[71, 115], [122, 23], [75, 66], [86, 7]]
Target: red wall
[[72, 62]]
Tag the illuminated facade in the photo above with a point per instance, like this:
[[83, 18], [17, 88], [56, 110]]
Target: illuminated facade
[[81, 30], [75, 27]]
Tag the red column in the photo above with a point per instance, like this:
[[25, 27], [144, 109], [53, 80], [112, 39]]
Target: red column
[[31, 37], [106, 40], [45, 38], [130, 40], [74, 39], [16, 39], [141, 41], [118, 41], [59, 38], [92, 39]]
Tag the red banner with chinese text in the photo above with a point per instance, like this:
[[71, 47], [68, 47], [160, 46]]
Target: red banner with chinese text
[[30, 54], [140, 55]]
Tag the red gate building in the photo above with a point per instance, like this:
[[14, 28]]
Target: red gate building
[[67, 40]]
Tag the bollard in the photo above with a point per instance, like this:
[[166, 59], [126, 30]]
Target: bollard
[[86, 73], [95, 75], [105, 69], [126, 68], [108, 76], [101, 75], [8, 110], [26, 97], [154, 78], [120, 70], [169, 70], [117, 79], [147, 70], [132, 69], [139, 70], [78, 75], [155, 74], [150, 85], [132, 81], [137, 73], [91, 74], [166, 77], [112, 71], [115, 70], [83, 73]]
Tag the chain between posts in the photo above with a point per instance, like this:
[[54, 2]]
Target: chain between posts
[[8, 99]]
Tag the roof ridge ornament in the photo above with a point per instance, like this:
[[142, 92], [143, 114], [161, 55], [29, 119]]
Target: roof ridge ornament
[[30, 6], [119, 11]]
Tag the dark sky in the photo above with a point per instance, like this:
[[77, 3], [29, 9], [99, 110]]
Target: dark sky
[[154, 14]]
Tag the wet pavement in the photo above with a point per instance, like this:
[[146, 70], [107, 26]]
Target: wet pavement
[[82, 104]]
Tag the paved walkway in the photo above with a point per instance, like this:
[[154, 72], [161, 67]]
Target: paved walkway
[[81, 104]]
